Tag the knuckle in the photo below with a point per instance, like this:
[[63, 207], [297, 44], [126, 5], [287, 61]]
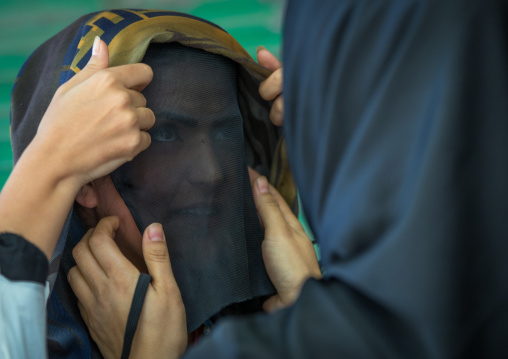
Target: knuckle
[[277, 76], [268, 203], [148, 70], [71, 274], [281, 231], [269, 200], [145, 140], [102, 295], [77, 250], [130, 119], [122, 99], [96, 240], [133, 142], [106, 78], [62, 89], [158, 255], [108, 267], [122, 285], [172, 292]]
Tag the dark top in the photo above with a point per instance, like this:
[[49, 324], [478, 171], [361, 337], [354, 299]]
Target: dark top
[[396, 117], [20, 260]]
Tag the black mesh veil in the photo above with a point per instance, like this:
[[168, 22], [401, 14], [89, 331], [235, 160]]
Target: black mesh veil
[[193, 179]]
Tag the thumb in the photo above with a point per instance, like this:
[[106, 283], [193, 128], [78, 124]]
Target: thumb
[[155, 252], [273, 303], [267, 59], [253, 175], [268, 209], [98, 61]]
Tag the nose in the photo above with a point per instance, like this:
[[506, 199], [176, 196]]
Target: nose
[[206, 168]]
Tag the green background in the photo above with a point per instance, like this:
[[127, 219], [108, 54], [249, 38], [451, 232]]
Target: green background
[[26, 24]]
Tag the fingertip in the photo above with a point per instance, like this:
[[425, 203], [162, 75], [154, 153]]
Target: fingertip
[[253, 175], [96, 47], [267, 59], [146, 141], [104, 49], [272, 304], [259, 48], [262, 185], [263, 55], [149, 70], [100, 54], [144, 75], [114, 221], [155, 233], [152, 120], [69, 274], [260, 53], [108, 226]]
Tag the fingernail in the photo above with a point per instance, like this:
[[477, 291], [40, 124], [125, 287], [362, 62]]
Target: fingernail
[[155, 232], [96, 49], [259, 48], [262, 184]]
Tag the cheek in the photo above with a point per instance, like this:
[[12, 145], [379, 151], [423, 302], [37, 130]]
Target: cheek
[[127, 237], [167, 174], [161, 166]]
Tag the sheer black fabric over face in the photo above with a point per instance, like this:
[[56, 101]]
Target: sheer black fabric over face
[[193, 180]]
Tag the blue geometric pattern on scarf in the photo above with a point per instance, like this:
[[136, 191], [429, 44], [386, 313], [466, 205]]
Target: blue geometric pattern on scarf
[[110, 31]]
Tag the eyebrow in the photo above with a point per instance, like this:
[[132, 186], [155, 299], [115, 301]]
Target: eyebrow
[[192, 122], [181, 119]]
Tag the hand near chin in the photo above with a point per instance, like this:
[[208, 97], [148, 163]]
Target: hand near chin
[[104, 282], [288, 253]]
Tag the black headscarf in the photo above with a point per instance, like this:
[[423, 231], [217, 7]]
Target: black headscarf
[[399, 145], [396, 119]]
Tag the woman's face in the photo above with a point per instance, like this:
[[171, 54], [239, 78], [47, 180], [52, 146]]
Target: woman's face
[[193, 180], [191, 177]]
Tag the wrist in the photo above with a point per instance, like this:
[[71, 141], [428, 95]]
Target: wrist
[[53, 171], [36, 198]]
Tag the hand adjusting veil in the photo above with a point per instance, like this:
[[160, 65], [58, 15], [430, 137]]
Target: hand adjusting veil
[[210, 124]]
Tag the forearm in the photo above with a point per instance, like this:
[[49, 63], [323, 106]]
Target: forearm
[[37, 197]]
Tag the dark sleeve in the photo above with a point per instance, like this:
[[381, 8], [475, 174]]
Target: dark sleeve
[[397, 132], [21, 260], [328, 319]]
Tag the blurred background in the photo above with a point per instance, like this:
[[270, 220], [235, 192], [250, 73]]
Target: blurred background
[[24, 25]]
